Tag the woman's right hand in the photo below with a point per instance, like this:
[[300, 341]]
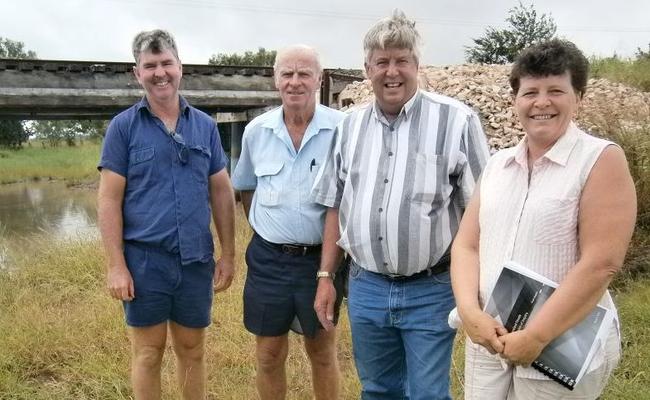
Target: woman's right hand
[[484, 330]]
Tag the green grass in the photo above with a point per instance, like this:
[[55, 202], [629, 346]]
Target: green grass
[[634, 73], [62, 337], [76, 163]]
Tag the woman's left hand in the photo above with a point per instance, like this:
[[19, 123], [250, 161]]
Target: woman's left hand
[[521, 347]]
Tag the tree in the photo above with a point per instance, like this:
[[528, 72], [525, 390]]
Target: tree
[[13, 49], [55, 132], [263, 57], [501, 46], [13, 133]]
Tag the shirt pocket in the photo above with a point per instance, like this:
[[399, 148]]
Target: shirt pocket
[[556, 221], [141, 166], [430, 179], [269, 185], [200, 162]]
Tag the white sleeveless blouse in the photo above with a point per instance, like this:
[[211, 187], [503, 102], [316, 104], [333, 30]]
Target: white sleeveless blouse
[[536, 224]]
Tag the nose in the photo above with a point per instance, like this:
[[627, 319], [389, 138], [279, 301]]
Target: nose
[[542, 101], [294, 79], [159, 70], [392, 69]]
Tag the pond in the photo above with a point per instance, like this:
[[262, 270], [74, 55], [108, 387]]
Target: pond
[[48, 209]]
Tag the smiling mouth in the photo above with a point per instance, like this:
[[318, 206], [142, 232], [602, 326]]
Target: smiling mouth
[[393, 85], [542, 117], [162, 84]]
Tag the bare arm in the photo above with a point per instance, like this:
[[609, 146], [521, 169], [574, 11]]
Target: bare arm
[[246, 200], [109, 215], [222, 202], [606, 222], [330, 260], [479, 326]]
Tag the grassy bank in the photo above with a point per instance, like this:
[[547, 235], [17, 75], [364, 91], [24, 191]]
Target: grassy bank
[[634, 73], [76, 163], [64, 338]]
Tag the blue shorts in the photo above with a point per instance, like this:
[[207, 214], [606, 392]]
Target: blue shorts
[[166, 290], [280, 290]]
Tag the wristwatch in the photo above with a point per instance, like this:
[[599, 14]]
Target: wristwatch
[[325, 274]]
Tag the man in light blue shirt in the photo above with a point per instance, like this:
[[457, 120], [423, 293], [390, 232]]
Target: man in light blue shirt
[[282, 151]]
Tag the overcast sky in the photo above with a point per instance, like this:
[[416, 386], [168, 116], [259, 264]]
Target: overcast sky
[[102, 30]]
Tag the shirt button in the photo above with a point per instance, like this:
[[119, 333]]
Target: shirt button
[[380, 238], [381, 209], [392, 129], [390, 154], [385, 180], [385, 264]]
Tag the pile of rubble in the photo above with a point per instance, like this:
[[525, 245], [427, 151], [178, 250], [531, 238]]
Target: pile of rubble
[[485, 88]]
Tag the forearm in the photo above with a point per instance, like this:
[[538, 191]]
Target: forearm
[[223, 214], [246, 200], [572, 301], [331, 254], [110, 220], [465, 278]]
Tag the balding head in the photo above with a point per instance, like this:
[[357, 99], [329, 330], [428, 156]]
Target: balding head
[[298, 51]]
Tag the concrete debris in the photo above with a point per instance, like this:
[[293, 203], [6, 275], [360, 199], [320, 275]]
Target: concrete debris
[[605, 106]]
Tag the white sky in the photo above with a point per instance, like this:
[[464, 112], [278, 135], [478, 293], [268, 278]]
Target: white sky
[[102, 30]]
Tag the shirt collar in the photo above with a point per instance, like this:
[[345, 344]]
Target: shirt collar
[[559, 153], [275, 121], [144, 103], [406, 111]]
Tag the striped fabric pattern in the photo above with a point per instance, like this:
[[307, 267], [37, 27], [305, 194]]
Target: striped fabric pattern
[[401, 186]]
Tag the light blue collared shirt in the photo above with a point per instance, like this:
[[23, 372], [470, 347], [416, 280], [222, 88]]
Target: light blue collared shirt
[[282, 210]]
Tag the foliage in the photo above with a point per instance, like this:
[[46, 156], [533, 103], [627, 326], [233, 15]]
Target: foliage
[[13, 49], [501, 46], [643, 55], [12, 134], [634, 72], [56, 132], [262, 57]]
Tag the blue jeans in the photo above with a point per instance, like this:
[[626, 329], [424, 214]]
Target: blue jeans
[[400, 337]]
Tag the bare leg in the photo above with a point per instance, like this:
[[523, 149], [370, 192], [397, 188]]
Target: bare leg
[[189, 346], [324, 364], [271, 352], [147, 347]]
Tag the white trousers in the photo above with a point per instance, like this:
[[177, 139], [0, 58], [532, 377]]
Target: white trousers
[[485, 377]]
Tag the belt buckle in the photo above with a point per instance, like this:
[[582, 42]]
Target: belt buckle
[[294, 250]]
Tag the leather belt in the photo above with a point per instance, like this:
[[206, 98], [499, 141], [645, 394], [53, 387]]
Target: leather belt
[[441, 266], [293, 249]]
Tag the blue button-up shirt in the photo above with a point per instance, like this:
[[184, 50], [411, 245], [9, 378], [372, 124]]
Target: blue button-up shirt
[[282, 211], [166, 198]]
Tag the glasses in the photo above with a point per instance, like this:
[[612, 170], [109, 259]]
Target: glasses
[[181, 148]]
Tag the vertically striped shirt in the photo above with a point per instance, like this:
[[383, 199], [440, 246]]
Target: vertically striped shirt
[[401, 186]]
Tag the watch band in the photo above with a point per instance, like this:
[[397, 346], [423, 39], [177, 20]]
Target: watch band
[[325, 274]]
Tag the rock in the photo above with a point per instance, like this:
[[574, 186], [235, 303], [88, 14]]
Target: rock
[[485, 88]]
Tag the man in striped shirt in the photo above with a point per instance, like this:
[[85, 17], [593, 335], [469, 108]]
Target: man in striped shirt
[[396, 182]]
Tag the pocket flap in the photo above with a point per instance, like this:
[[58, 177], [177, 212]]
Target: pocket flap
[[266, 169], [141, 155]]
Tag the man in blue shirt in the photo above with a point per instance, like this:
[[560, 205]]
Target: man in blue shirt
[[162, 176], [282, 152]]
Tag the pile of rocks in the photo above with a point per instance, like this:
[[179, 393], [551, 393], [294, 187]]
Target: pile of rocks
[[606, 105]]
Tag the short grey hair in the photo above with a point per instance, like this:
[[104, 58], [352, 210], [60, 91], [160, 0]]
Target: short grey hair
[[298, 48], [396, 31], [155, 41]]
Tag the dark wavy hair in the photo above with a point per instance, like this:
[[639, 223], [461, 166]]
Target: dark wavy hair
[[155, 41], [552, 57]]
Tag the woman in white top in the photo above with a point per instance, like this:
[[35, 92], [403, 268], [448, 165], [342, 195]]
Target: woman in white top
[[561, 203]]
